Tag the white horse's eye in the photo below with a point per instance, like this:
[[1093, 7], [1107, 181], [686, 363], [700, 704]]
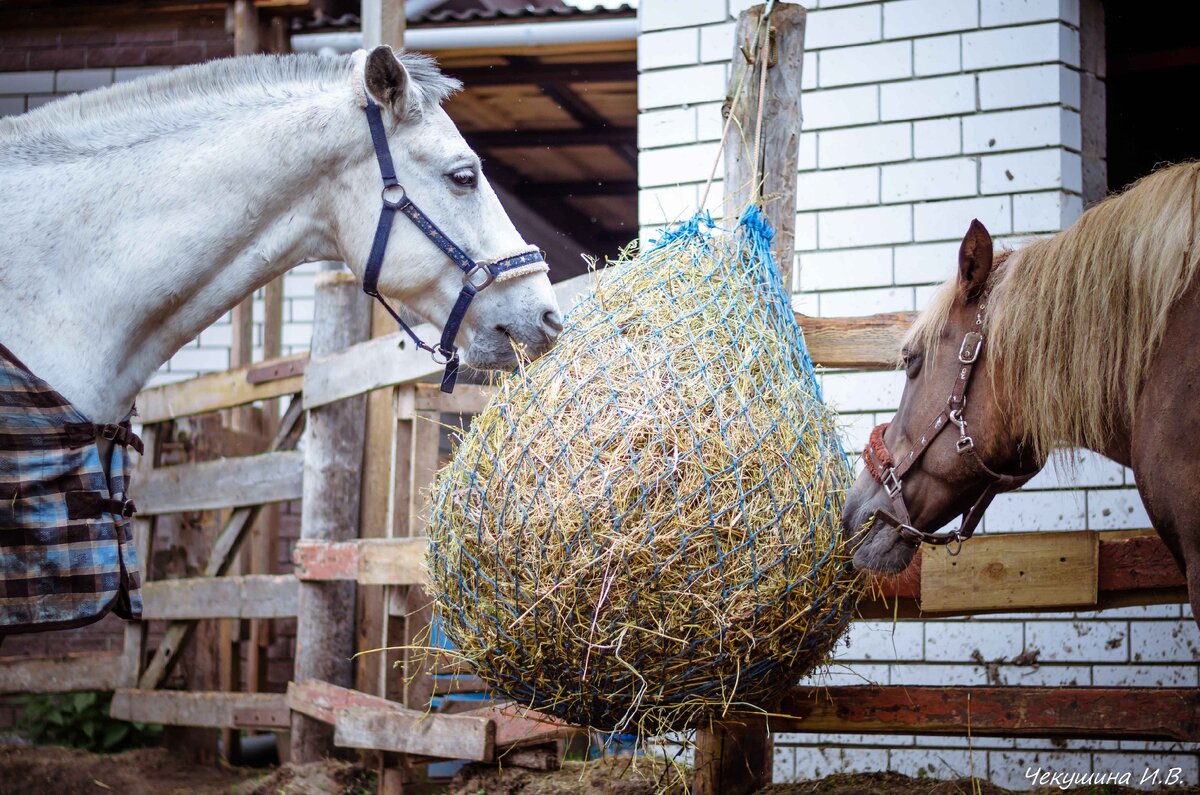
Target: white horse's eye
[[464, 177]]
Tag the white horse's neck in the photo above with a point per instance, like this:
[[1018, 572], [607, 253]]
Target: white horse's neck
[[141, 239]]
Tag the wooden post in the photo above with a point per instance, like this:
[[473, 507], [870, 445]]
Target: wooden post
[[737, 760], [332, 474], [779, 154]]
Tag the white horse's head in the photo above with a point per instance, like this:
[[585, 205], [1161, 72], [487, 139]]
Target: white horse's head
[[442, 175]]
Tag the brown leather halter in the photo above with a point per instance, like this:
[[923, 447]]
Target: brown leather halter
[[883, 467]]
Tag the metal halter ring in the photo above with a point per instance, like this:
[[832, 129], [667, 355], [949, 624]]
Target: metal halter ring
[[891, 483], [440, 357], [390, 190], [476, 268]]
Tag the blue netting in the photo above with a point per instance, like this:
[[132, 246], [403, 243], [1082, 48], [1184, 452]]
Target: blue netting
[[644, 524]]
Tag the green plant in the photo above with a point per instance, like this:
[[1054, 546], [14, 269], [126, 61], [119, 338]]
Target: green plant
[[80, 720]]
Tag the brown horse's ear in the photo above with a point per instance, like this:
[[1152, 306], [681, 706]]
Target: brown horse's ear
[[387, 80], [974, 261]]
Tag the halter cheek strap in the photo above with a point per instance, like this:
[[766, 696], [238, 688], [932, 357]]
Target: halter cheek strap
[[476, 275]]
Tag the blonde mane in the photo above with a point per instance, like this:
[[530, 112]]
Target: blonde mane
[[1074, 320]]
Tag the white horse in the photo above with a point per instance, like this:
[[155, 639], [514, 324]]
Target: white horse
[[136, 215]]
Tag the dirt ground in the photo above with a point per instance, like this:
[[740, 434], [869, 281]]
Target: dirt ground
[[28, 770], [620, 777], [45, 770]]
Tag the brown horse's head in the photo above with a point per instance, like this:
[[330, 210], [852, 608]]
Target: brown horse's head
[[943, 483]]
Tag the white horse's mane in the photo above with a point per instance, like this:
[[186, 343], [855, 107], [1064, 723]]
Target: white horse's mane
[[86, 124]]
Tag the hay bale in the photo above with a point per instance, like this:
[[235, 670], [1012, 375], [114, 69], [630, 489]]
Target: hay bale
[[644, 525]]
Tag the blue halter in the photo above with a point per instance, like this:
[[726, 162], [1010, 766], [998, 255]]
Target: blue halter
[[476, 275]]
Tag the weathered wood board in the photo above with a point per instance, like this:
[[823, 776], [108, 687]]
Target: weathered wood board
[[368, 561], [211, 710], [247, 596], [62, 674], [408, 731], [222, 390], [225, 483], [1039, 570], [1144, 713]]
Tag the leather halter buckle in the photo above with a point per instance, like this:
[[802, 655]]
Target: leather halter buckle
[[488, 275], [968, 352]]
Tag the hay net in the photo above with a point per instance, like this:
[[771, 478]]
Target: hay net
[[643, 526]]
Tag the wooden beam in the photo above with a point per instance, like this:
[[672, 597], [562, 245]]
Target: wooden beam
[[1094, 713], [731, 760], [577, 136], [333, 460], [217, 391], [214, 710], [225, 483], [868, 342], [367, 561], [582, 188], [246, 596], [779, 153], [320, 700], [538, 72], [83, 671]]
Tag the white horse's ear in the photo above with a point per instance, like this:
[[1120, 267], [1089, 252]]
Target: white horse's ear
[[387, 80]]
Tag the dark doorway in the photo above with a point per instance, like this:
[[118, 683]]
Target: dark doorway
[[1153, 54]]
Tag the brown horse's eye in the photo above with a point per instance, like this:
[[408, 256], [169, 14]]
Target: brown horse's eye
[[912, 363]]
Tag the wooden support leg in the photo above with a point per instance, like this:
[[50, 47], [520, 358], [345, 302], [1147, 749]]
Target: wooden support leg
[[732, 760]]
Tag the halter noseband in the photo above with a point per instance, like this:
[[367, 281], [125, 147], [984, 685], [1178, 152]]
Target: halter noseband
[[476, 275], [883, 466]]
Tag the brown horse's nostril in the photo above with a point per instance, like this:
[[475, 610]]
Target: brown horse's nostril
[[553, 322]]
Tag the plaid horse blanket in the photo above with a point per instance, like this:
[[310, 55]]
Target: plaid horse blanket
[[66, 546]]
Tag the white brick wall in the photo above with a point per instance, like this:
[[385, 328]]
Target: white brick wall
[[919, 116]]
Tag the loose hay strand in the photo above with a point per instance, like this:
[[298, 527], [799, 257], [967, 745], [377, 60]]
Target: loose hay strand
[[643, 526]]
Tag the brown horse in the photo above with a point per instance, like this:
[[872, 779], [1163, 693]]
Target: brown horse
[[1086, 339]]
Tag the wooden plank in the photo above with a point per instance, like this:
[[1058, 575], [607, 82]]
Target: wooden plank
[[520, 727], [466, 398], [1108, 713], [1043, 570], [246, 596], [137, 632], [409, 731], [64, 674], [225, 483], [320, 700], [214, 710], [1135, 568], [867, 342], [367, 561], [391, 360], [218, 391]]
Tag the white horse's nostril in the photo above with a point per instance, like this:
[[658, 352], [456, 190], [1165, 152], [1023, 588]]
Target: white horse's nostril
[[553, 322]]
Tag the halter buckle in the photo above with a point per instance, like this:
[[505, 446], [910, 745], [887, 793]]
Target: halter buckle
[[891, 483], [968, 352], [489, 277], [388, 192]]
